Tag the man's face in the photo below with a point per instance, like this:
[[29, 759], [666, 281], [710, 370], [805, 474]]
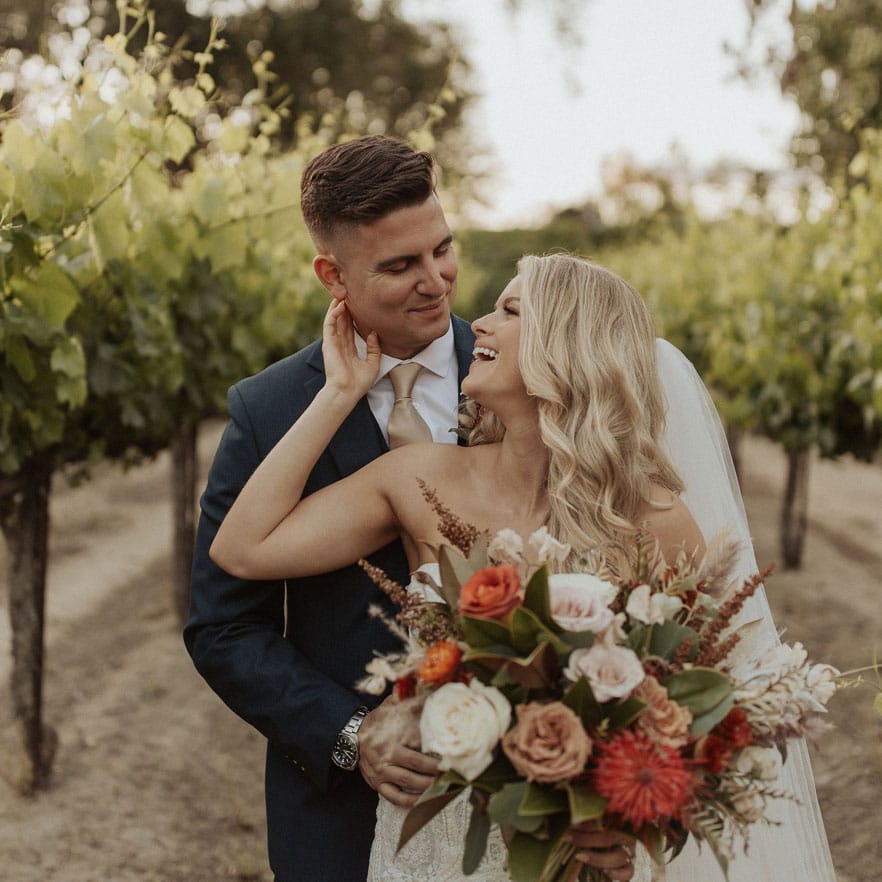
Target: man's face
[[398, 276]]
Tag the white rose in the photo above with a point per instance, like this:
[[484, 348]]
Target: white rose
[[821, 680], [506, 546], [612, 671], [546, 547], [580, 602], [463, 724]]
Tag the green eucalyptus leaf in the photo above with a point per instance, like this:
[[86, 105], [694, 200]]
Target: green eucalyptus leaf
[[585, 803], [423, 812], [527, 857], [705, 692], [476, 840], [504, 808], [527, 631], [581, 699], [537, 600], [455, 572], [540, 799], [484, 633], [668, 637], [622, 715]]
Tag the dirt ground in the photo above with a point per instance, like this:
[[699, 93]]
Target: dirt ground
[[156, 781]]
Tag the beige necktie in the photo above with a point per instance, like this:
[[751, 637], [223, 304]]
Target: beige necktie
[[406, 426]]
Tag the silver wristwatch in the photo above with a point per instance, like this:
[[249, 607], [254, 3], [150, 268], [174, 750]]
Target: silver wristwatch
[[345, 753]]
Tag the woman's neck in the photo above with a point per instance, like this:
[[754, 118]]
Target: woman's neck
[[522, 466]]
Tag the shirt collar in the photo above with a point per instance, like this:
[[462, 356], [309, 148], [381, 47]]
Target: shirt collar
[[437, 357]]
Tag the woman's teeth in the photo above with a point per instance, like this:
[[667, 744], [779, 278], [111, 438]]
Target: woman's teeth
[[482, 352]]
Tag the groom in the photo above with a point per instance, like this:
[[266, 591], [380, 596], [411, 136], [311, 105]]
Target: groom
[[285, 656]]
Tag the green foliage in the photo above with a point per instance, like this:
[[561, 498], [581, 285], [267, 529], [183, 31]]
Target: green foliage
[[490, 258], [782, 323], [133, 295]]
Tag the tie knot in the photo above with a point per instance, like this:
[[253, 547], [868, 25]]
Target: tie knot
[[403, 376]]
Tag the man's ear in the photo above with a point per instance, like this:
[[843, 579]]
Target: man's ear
[[328, 271]]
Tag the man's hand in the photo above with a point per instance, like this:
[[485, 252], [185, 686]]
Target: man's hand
[[607, 850], [389, 758]]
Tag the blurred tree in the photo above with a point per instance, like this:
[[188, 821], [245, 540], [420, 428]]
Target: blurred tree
[[832, 67], [361, 65]]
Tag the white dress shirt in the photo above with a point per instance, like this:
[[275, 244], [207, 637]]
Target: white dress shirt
[[435, 394]]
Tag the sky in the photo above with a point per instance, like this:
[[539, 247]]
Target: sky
[[651, 74]]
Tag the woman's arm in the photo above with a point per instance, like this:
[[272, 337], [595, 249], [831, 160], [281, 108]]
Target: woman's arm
[[269, 532]]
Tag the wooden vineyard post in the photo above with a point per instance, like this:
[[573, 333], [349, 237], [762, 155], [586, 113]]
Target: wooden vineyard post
[[25, 524]]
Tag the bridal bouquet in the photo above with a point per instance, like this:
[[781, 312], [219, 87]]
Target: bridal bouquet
[[578, 697]]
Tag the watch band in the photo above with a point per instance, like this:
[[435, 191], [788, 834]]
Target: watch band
[[345, 753]]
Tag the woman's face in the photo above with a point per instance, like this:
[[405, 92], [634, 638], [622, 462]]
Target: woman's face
[[496, 369]]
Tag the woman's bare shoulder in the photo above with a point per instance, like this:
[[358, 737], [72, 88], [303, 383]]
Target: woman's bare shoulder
[[433, 463], [668, 518]]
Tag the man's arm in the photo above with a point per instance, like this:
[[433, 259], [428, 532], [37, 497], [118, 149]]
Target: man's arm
[[235, 630]]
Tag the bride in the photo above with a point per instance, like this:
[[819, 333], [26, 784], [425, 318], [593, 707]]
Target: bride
[[566, 368]]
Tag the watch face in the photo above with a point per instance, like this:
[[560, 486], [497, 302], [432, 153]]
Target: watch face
[[345, 754]]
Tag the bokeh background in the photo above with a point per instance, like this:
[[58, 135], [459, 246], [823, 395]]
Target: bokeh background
[[725, 158]]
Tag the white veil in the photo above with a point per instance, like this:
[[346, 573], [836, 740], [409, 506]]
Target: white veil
[[696, 444]]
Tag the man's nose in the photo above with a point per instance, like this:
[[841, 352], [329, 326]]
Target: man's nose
[[432, 282]]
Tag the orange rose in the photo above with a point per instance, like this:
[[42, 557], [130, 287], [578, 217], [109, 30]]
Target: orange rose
[[491, 593], [440, 664]]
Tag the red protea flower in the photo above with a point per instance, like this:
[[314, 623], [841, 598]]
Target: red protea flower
[[642, 781]]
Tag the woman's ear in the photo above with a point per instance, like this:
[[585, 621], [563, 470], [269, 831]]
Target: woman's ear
[[327, 269]]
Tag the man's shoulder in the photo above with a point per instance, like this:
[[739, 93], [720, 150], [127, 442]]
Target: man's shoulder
[[294, 368]]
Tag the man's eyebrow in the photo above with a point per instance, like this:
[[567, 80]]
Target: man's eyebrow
[[391, 261]]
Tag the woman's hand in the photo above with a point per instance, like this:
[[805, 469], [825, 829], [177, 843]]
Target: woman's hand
[[609, 850], [344, 371]]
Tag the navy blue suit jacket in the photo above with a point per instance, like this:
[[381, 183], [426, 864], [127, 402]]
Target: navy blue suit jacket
[[292, 676]]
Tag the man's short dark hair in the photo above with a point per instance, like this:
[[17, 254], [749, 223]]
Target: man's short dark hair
[[361, 181]]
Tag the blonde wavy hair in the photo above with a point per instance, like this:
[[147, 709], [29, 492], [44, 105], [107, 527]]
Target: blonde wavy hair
[[587, 354]]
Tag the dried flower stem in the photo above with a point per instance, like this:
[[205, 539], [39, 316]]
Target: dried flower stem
[[453, 528], [711, 648]]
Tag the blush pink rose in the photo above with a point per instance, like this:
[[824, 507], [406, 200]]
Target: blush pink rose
[[548, 743], [580, 602], [612, 671]]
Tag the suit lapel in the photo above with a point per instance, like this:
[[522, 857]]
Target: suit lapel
[[463, 343], [359, 439]]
